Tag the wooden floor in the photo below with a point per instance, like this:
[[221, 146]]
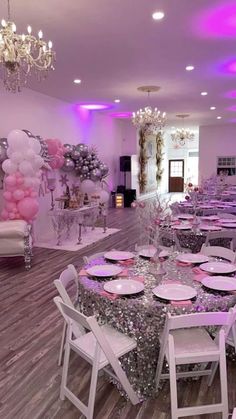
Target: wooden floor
[[30, 332]]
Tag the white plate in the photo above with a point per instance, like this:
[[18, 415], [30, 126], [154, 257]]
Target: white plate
[[192, 258], [118, 255], [210, 228], [228, 225], [104, 271], [220, 283], [123, 286], [210, 217], [176, 292], [206, 206], [185, 217], [218, 267], [149, 252], [182, 227]]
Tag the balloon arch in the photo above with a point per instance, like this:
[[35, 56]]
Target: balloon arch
[[23, 156]]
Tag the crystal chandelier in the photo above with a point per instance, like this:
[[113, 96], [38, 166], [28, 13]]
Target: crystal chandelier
[[21, 55], [180, 136], [149, 119]]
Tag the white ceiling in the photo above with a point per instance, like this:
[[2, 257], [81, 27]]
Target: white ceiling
[[114, 46]]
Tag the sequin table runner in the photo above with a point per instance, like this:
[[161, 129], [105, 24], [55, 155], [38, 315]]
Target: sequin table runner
[[142, 317]]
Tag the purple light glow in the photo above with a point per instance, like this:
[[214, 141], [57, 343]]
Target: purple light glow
[[95, 106], [121, 114], [231, 94], [233, 120], [232, 108], [228, 67], [218, 22]]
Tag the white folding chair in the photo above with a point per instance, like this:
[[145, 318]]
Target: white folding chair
[[234, 414], [218, 251], [186, 341], [87, 259], [66, 277], [212, 235], [100, 347]]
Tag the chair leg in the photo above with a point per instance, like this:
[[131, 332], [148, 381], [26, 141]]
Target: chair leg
[[214, 366], [159, 368], [62, 344], [65, 371], [173, 380], [93, 384], [223, 384]]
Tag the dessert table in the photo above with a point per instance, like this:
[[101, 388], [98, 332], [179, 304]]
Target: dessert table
[[142, 315]]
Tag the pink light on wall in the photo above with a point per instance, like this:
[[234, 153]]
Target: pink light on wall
[[95, 106], [218, 21], [228, 67], [232, 108], [121, 115], [231, 94], [233, 120]]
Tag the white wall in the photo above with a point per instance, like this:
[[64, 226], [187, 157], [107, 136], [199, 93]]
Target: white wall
[[52, 118], [215, 141]]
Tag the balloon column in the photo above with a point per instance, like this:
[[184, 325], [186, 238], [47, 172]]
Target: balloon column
[[84, 162], [22, 177]]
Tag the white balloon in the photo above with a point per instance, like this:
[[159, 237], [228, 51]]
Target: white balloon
[[26, 168], [87, 186], [35, 145], [104, 196], [37, 163], [16, 157], [30, 155], [9, 167], [18, 140], [28, 182]]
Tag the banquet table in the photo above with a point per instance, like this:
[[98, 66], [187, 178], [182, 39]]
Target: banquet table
[[142, 316]]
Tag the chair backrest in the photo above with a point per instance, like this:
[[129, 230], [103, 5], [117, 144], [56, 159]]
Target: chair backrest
[[229, 234], [68, 275], [87, 259], [224, 320], [218, 251], [74, 317]]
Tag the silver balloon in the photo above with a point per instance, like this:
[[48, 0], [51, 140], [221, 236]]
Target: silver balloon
[[3, 154], [4, 143], [68, 149], [30, 135], [68, 165], [83, 149], [89, 157], [84, 170], [96, 175], [75, 154], [96, 163], [104, 169], [91, 166]]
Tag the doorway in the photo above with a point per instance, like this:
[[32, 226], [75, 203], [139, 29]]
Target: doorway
[[176, 175]]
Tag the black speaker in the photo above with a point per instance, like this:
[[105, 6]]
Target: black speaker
[[129, 197], [125, 163]]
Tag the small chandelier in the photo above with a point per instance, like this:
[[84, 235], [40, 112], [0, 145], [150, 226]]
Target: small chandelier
[[180, 136], [148, 119], [20, 55]]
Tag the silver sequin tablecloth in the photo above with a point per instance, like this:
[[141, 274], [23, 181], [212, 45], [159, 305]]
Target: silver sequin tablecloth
[[143, 316]]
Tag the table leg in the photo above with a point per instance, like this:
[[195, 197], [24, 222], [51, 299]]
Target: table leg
[[80, 234], [104, 223]]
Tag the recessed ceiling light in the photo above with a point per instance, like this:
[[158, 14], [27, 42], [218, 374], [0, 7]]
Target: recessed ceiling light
[[117, 100], [158, 15], [77, 81], [219, 117], [212, 108], [204, 93], [189, 67]]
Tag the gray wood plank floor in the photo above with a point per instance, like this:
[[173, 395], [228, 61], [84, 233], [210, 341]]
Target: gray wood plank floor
[[30, 333]]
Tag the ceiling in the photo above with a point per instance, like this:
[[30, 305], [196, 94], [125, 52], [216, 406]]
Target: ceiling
[[114, 46]]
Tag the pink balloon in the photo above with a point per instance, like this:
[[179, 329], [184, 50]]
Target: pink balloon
[[27, 193], [33, 194], [52, 147], [11, 215], [19, 180], [28, 208], [7, 195], [18, 174], [10, 206], [18, 194], [4, 214], [10, 180]]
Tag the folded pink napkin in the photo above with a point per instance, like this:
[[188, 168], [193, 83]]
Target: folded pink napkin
[[128, 262], [198, 274], [178, 263], [109, 295], [82, 272], [125, 272], [176, 223]]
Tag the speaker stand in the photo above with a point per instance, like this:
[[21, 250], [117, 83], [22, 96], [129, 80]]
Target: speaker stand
[[125, 179]]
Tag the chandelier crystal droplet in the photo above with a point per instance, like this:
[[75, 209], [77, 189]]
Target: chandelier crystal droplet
[[23, 55]]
